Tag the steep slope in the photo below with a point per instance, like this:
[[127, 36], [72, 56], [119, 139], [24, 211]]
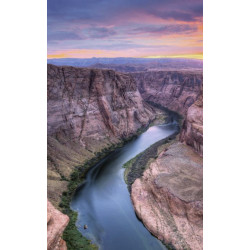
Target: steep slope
[[56, 223], [168, 197], [192, 130], [88, 110], [175, 90]]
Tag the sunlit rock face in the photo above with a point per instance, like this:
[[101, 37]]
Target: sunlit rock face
[[175, 90], [88, 110], [56, 223], [192, 130], [168, 198]]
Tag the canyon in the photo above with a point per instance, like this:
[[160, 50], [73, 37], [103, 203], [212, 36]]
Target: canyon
[[168, 197], [91, 111], [88, 110], [175, 90]]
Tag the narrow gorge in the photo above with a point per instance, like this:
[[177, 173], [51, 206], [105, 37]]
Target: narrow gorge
[[92, 113], [89, 110]]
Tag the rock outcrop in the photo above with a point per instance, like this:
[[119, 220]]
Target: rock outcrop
[[88, 110], [192, 130], [168, 197], [56, 223], [175, 90]]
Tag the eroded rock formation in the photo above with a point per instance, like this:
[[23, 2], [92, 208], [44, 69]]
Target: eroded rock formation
[[175, 90], [192, 130], [168, 197], [56, 223], [88, 110]]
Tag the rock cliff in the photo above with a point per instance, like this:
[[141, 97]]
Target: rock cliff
[[175, 90], [168, 197], [56, 223], [88, 110], [192, 130]]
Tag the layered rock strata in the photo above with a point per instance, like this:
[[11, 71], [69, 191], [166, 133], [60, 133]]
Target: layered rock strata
[[192, 130], [56, 223], [175, 90], [168, 198], [88, 110]]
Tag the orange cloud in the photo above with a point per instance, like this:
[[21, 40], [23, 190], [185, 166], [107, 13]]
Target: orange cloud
[[188, 56]]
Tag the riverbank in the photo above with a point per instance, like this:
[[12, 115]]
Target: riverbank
[[135, 167], [165, 183], [71, 235], [168, 198]]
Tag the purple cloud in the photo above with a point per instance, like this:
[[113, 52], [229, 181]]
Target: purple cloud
[[164, 29], [63, 35], [99, 32]]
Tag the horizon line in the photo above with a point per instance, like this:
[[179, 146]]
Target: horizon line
[[192, 57]]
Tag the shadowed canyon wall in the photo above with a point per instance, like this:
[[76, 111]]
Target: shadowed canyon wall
[[88, 110], [175, 90]]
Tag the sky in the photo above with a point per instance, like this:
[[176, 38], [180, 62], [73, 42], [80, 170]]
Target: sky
[[125, 28]]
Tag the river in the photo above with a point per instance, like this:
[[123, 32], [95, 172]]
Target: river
[[103, 201]]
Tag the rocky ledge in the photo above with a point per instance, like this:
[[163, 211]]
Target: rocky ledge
[[56, 223], [168, 198], [192, 130]]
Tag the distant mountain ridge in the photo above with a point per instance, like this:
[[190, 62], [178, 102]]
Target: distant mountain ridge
[[130, 64]]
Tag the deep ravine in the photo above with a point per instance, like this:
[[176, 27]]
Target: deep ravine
[[103, 202]]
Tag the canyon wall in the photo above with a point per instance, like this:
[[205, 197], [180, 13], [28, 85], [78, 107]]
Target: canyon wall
[[192, 130], [88, 110], [93, 109], [56, 223], [175, 90], [180, 91], [168, 198]]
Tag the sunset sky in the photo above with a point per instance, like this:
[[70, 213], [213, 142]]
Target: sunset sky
[[125, 28]]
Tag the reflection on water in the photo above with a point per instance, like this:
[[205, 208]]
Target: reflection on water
[[103, 201]]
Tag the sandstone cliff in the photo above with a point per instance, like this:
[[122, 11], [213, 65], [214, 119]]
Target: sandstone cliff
[[175, 90], [192, 130], [56, 223], [88, 110], [168, 197]]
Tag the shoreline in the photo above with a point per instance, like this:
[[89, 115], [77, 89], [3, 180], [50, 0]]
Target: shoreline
[[147, 156], [74, 239]]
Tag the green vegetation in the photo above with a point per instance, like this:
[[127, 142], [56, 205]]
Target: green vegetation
[[71, 235], [171, 114], [74, 238], [137, 165]]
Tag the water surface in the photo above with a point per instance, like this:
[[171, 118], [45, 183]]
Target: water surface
[[103, 201]]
